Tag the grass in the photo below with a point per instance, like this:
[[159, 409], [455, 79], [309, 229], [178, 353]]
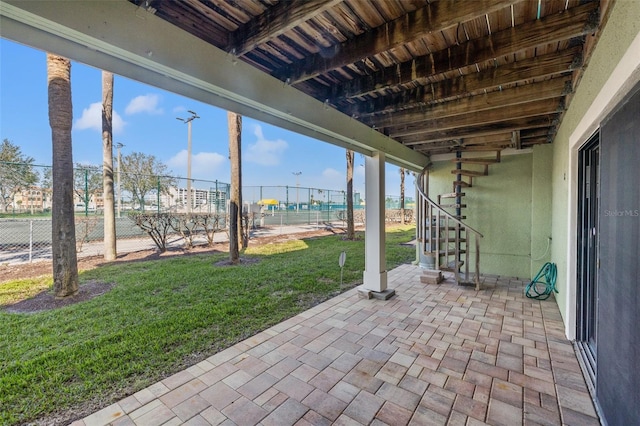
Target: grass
[[161, 317]]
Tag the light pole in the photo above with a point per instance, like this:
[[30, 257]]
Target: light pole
[[297, 174], [188, 121], [118, 146]]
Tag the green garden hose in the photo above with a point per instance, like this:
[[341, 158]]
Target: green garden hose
[[549, 272]]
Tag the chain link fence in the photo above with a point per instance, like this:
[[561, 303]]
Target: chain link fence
[[295, 205], [194, 210]]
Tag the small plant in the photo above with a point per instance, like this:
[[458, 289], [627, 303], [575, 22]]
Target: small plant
[[210, 224], [84, 226], [186, 225], [157, 225]]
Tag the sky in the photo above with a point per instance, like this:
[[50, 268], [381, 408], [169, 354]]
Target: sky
[[144, 120]]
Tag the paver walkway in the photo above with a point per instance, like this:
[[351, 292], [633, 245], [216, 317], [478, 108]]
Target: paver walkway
[[432, 355]]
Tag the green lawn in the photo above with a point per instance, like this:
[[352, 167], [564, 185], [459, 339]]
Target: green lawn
[[161, 317]]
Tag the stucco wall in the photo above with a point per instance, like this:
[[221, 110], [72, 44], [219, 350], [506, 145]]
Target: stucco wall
[[541, 236], [619, 33]]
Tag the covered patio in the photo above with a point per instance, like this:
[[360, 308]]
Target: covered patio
[[433, 354], [525, 88]]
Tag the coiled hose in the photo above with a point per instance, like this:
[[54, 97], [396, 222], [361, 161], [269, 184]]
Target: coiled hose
[[545, 278]]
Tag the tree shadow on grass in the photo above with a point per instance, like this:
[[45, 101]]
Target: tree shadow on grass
[[45, 300]]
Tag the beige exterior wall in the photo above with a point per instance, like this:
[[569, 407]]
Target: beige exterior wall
[[613, 69]]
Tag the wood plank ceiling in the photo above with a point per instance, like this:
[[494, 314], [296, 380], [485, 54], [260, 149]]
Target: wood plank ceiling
[[437, 76]]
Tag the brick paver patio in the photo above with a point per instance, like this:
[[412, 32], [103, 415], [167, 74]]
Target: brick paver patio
[[432, 355]]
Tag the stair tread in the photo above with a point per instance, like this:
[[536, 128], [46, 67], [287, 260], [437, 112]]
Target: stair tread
[[450, 267], [480, 148], [452, 225], [452, 195], [453, 206], [463, 172], [452, 240], [483, 161], [451, 228], [451, 252]]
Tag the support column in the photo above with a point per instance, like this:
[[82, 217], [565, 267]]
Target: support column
[[375, 273]]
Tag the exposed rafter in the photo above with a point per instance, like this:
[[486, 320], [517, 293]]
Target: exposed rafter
[[548, 65], [432, 18], [430, 76], [274, 22], [515, 96], [531, 109], [418, 136], [515, 139], [574, 22]]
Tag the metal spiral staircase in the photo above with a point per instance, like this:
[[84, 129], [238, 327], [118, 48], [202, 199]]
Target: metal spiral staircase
[[445, 241]]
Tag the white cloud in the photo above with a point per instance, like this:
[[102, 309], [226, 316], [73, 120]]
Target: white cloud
[[92, 119], [264, 152], [204, 165], [331, 174], [332, 178], [144, 104]]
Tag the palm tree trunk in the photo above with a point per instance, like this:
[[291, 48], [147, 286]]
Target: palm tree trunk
[[65, 261], [107, 167], [351, 232], [235, 200]]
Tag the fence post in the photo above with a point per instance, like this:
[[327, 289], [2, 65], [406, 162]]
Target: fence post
[[287, 204], [217, 197], [30, 240], [328, 204], [158, 197], [309, 205], [86, 192]]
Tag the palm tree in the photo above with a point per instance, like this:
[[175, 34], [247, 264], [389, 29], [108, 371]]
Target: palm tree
[[235, 200], [107, 167], [65, 260], [351, 232]]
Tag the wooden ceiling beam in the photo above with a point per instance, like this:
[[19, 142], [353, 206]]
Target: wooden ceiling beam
[[571, 23], [444, 147], [274, 22], [519, 95], [501, 138], [417, 135], [548, 65], [532, 109], [526, 143], [516, 142], [186, 17], [434, 17], [483, 140], [534, 133]]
